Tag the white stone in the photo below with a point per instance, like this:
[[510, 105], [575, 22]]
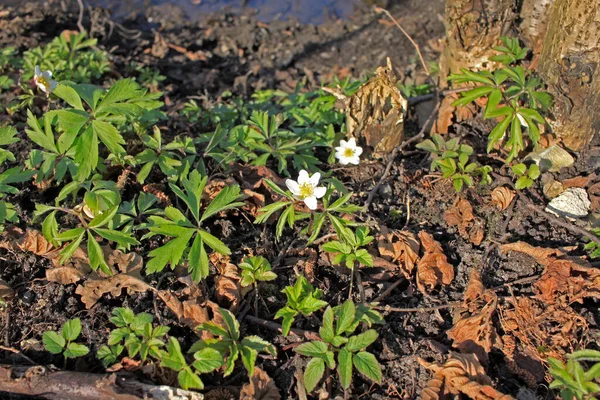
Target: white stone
[[552, 159], [572, 203]]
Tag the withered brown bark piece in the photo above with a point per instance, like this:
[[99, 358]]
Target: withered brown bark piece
[[69, 385], [375, 113], [570, 66]]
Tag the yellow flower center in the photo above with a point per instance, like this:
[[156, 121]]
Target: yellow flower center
[[348, 152], [306, 190], [41, 80]]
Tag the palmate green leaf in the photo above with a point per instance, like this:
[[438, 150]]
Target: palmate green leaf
[[214, 243], [367, 364], [69, 250], [497, 133], [198, 260], [110, 136], [53, 342], [171, 252], [43, 138], [70, 122], [69, 95], [75, 350], [103, 218], [345, 367], [225, 200], [96, 256], [86, 153], [121, 238], [121, 91], [473, 95], [71, 329], [313, 373], [122, 316]]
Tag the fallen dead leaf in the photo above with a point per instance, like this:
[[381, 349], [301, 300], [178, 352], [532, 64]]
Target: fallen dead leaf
[[222, 393], [6, 292], [260, 387], [568, 280], [401, 247], [433, 269], [475, 333], [542, 255], [128, 269], [445, 116], [502, 197], [227, 283], [460, 374], [578, 181], [461, 215]]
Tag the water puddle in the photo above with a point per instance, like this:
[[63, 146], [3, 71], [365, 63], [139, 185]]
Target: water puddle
[[306, 11]]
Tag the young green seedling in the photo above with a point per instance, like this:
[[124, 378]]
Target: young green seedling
[[256, 270], [303, 299], [62, 342]]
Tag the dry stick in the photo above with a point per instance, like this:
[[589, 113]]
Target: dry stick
[[15, 351], [418, 309], [386, 12], [80, 19], [564, 223], [403, 145], [274, 326], [389, 290]]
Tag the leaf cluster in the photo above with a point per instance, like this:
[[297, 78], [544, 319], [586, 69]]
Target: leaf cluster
[[62, 342], [572, 379], [525, 176], [349, 251], [302, 298], [340, 343]]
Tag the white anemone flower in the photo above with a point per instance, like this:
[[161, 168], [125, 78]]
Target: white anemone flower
[[348, 152], [522, 120], [43, 80], [306, 188]]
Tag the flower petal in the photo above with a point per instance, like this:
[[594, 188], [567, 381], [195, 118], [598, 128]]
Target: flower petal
[[311, 202], [37, 70], [358, 151], [314, 179], [352, 142], [355, 160], [303, 177], [320, 191], [343, 143], [293, 186]]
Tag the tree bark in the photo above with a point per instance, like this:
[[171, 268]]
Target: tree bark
[[570, 66], [68, 385], [473, 27]]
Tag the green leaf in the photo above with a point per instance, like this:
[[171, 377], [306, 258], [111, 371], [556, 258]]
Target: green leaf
[[225, 200], [313, 373], [232, 324], [86, 153], [345, 367], [189, 380], [50, 228], [69, 95], [362, 341], [497, 133], [249, 359], [69, 250], [207, 360], [198, 260], [519, 169], [75, 350], [346, 316], [472, 95], [427, 145], [174, 358], [326, 330], [103, 218], [110, 136], [96, 257], [534, 171], [367, 364], [523, 183], [214, 243], [71, 329], [312, 349], [122, 238], [53, 342]]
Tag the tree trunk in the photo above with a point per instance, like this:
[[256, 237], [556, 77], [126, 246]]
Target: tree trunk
[[570, 66], [472, 28]]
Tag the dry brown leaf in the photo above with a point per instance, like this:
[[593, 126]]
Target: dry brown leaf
[[461, 374], [578, 181], [433, 269], [445, 115], [502, 197], [475, 333], [222, 393], [568, 280], [542, 255], [160, 48], [461, 215], [401, 247], [6, 292], [260, 387], [228, 289], [128, 276]]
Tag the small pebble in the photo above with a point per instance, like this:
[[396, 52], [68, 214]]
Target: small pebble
[[572, 203]]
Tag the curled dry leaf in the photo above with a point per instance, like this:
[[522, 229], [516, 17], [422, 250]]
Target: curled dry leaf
[[445, 115], [128, 269], [568, 280], [460, 374], [542, 255], [473, 330], [33, 241], [433, 269], [521, 363], [227, 283], [222, 393], [461, 215], [401, 247], [260, 387], [502, 197]]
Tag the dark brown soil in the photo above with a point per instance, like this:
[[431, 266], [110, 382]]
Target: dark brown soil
[[244, 55]]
